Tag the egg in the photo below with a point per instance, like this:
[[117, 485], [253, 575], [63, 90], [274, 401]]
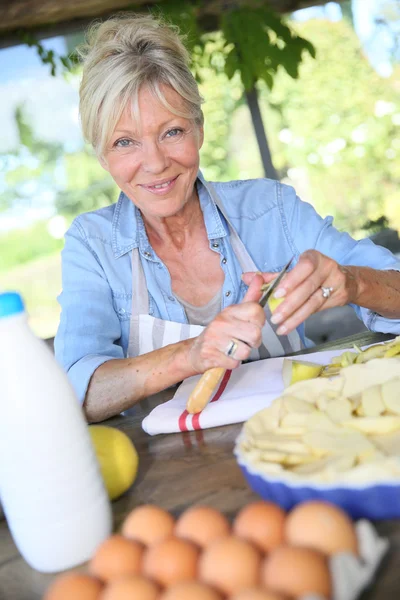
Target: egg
[[296, 571], [230, 565], [170, 561], [127, 588], [261, 523], [257, 594], [202, 525], [116, 557], [322, 526], [74, 585], [190, 590], [148, 524]]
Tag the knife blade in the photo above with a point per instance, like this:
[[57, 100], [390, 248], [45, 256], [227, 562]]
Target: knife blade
[[268, 289]]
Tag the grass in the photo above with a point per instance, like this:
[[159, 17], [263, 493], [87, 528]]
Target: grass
[[39, 283]]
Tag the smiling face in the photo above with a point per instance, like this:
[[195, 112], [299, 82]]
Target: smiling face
[[155, 161]]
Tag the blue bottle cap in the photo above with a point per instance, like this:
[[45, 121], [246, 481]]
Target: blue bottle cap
[[10, 304]]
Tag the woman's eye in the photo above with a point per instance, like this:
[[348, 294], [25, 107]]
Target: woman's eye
[[173, 132], [122, 143]]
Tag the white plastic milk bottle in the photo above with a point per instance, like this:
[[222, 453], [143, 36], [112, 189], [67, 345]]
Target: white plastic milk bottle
[[51, 489]]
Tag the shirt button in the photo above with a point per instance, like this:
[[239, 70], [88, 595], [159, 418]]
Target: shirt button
[[147, 254], [122, 311], [228, 293], [171, 298], [224, 261], [215, 245]]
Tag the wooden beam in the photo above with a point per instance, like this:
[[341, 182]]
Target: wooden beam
[[49, 18]]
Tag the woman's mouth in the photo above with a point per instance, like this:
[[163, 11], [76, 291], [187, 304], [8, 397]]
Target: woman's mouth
[[163, 187]]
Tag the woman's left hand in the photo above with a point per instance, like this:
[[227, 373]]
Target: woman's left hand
[[303, 287]]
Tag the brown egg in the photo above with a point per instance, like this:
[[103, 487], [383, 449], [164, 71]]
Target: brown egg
[[190, 590], [128, 588], [257, 594], [296, 571], [170, 561], [116, 557], [202, 525], [148, 524], [74, 585], [261, 523], [230, 565], [322, 526]]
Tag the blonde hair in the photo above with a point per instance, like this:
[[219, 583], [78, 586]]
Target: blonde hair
[[122, 54]]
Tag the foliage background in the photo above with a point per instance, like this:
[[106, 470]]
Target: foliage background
[[334, 134]]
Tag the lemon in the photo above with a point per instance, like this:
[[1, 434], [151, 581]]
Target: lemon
[[117, 457], [299, 370]]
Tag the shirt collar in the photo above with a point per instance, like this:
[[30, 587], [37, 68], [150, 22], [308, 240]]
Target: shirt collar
[[127, 221]]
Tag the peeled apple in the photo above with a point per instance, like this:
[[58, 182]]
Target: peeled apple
[[273, 303], [117, 458], [299, 370]]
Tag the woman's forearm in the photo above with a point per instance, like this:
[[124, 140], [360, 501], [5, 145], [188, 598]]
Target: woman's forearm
[[118, 384], [377, 290]]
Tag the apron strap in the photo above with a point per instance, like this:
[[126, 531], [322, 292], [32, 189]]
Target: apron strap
[[272, 344], [244, 258], [140, 295]]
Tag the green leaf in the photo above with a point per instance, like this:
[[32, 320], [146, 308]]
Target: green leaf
[[262, 42], [269, 80], [231, 64], [247, 77], [309, 47]]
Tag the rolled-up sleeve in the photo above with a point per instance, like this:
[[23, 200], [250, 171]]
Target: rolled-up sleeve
[[89, 327], [307, 230]]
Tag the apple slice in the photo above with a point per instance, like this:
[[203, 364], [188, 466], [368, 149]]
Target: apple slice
[[299, 370]]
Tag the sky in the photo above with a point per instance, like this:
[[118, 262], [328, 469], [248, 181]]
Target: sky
[[377, 40], [51, 102]]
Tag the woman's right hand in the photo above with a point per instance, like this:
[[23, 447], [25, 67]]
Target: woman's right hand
[[241, 323]]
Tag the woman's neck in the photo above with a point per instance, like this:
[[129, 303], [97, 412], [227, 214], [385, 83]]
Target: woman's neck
[[177, 229]]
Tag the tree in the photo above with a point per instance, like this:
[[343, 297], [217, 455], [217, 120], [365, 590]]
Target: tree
[[339, 123], [88, 186], [33, 161], [31, 172]]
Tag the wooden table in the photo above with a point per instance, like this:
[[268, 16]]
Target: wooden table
[[179, 470]]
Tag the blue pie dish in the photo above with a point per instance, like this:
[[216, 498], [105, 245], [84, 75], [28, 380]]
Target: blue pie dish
[[374, 501]]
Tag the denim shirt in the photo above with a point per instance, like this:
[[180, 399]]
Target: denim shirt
[[272, 222]]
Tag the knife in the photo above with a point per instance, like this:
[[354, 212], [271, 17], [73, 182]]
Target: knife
[[209, 381], [269, 288]]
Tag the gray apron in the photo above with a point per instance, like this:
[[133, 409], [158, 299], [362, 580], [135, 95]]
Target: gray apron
[[149, 333]]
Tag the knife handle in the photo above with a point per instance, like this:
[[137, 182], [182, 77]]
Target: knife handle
[[204, 390]]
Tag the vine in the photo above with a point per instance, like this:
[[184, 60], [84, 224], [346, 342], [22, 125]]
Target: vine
[[256, 42], [49, 57]]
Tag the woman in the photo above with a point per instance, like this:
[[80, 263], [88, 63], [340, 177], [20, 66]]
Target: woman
[[164, 284]]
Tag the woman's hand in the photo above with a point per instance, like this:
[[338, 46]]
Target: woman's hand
[[302, 289], [240, 323]]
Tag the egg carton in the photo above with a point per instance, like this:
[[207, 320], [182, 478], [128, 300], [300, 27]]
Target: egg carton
[[351, 574]]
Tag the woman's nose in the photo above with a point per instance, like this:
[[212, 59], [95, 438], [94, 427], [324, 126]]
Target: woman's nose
[[154, 158]]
